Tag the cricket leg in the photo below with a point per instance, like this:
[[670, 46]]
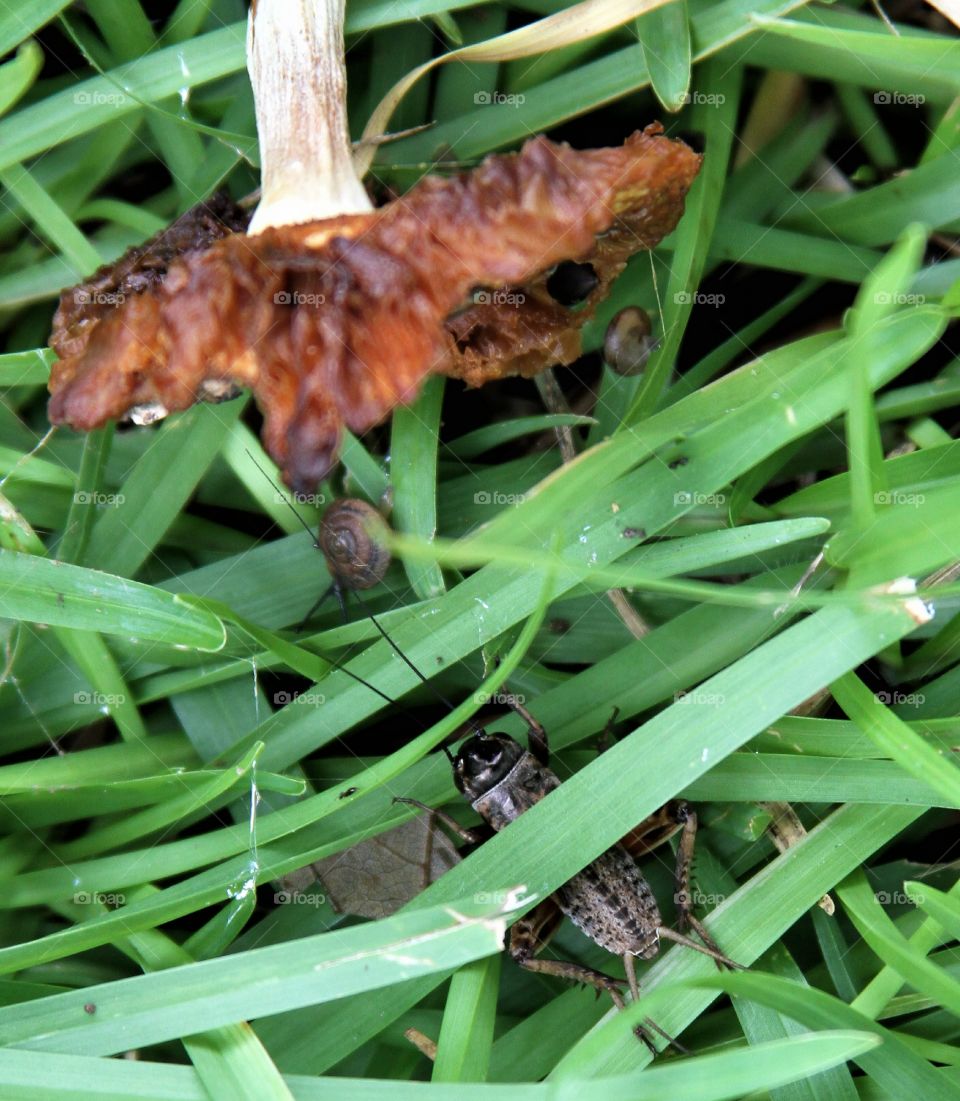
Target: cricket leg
[[536, 735], [334, 590], [533, 931], [645, 1031], [605, 738], [475, 836], [684, 896]]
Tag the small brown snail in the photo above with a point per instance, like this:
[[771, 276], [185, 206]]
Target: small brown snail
[[628, 342], [353, 540]]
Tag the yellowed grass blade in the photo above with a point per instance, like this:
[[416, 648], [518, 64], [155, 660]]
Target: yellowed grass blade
[[584, 20]]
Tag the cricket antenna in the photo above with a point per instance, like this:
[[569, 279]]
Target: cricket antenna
[[443, 699], [303, 523], [472, 728]]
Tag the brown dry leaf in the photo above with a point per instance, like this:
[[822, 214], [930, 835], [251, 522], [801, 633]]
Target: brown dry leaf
[[336, 321], [374, 878]]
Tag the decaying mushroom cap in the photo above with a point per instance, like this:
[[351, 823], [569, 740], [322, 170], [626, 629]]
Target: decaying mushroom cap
[[337, 321]]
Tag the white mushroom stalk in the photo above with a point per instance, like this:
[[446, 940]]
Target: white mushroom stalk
[[295, 56]]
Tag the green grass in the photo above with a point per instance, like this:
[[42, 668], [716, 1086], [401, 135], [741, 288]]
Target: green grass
[[171, 746]]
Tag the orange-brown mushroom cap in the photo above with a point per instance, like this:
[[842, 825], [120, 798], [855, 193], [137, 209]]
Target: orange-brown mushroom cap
[[335, 322]]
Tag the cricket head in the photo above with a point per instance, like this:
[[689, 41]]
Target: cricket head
[[483, 761]]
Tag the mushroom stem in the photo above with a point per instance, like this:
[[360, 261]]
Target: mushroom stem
[[295, 57]]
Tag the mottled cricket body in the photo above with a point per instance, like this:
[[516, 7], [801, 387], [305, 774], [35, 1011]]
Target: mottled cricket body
[[609, 899]]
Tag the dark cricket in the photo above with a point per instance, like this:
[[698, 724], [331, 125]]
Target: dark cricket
[[609, 900]]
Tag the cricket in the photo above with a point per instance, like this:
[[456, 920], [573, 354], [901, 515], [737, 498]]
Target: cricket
[[609, 900]]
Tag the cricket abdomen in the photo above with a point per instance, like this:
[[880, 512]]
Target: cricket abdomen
[[613, 904]]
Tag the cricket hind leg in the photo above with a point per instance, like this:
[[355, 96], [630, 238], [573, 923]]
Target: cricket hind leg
[[533, 931], [646, 1030], [683, 895]]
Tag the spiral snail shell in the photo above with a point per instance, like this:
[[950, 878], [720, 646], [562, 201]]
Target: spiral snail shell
[[629, 341], [353, 539]]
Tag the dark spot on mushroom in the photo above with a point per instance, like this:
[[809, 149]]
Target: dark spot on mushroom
[[570, 283]]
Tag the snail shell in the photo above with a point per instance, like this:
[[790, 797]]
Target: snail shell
[[628, 341], [353, 539]]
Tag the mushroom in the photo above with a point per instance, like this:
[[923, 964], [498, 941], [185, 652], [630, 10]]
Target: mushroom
[[333, 312]]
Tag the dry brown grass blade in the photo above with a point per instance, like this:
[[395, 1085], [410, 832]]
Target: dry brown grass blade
[[584, 20]]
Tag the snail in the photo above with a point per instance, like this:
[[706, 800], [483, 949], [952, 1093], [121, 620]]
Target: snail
[[628, 342], [353, 540]]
